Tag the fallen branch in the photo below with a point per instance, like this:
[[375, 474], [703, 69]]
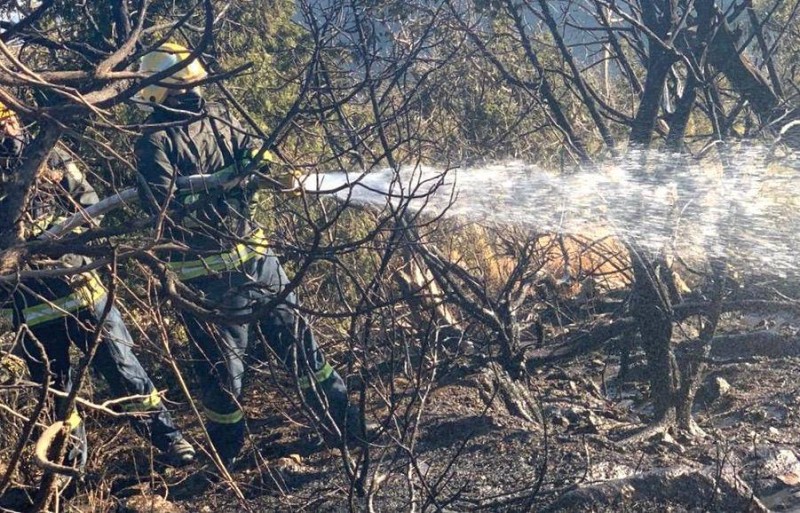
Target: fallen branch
[[685, 310], [648, 432], [756, 343], [576, 345], [706, 489], [104, 407]]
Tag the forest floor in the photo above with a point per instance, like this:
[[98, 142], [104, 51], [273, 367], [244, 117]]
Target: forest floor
[[476, 450]]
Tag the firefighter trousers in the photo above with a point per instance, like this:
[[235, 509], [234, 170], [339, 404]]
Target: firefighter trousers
[[113, 359], [222, 349]]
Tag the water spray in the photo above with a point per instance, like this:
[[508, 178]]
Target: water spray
[[748, 213]]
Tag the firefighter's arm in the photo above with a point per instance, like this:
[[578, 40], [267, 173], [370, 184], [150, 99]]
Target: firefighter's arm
[[271, 173], [79, 187], [156, 174], [76, 184]]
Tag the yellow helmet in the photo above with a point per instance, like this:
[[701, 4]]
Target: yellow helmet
[[166, 56]]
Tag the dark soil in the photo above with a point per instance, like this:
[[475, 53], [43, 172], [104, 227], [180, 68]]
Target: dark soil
[[474, 449]]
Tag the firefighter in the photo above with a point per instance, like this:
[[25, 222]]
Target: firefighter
[[228, 262], [59, 311]]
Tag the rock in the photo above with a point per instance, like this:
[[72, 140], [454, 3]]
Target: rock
[[466, 346], [776, 463], [423, 468], [150, 504], [575, 414], [626, 404], [292, 463], [12, 369], [590, 424], [784, 500], [713, 389], [721, 387], [558, 375], [578, 420], [774, 472], [604, 471], [666, 440]]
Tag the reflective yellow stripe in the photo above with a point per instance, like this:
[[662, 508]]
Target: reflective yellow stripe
[[74, 420], [319, 376], [87, 295], [221, 262], [223, 418], [56, 309], [267, 156], [151, 402]]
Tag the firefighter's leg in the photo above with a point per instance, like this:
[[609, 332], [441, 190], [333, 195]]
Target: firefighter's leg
[[219, 365], [115, 361], [290, 338], [53, 337]]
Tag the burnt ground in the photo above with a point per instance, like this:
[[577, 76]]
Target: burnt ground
[[481, 448]]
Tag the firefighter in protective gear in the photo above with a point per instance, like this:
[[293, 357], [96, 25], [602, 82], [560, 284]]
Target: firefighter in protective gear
[[228, 261], [59, 311]]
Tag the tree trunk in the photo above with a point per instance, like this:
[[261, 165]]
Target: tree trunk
[[726, 58], [652, 309], [762, 45], [647, 114], [16, 194], [680, 118], [625, 65], [657, 16]]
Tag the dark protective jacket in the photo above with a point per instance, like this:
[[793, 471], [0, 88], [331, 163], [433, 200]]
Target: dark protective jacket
[[202, 139], [61, 191]]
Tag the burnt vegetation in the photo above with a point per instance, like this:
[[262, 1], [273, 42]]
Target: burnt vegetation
[[509, 368]]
